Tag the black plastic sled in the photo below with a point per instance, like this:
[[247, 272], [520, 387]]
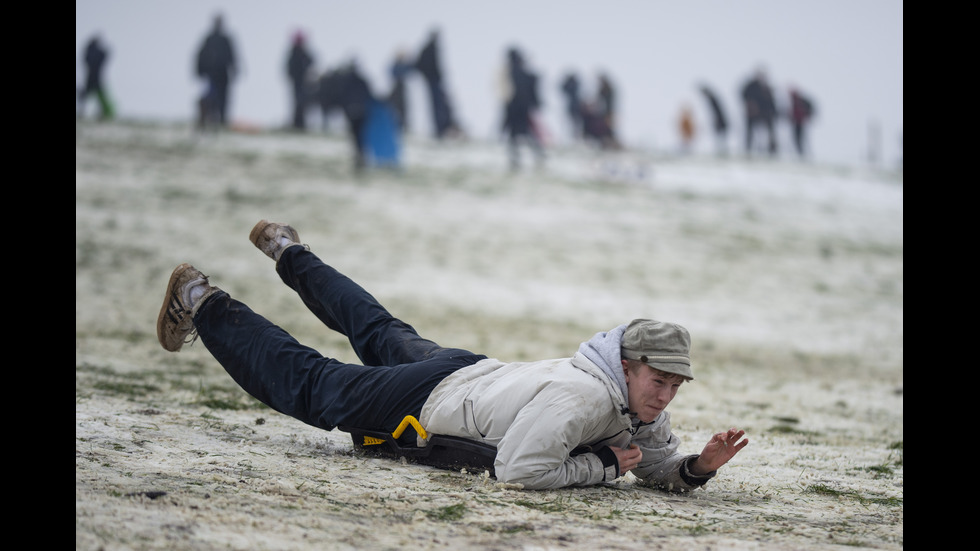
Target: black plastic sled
[[444, 452]]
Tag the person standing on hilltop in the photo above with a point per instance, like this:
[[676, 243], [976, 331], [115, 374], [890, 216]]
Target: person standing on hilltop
[[571, 89], [217, 63], [801, 111], [760, 111], [298, 64], [429, 64], [719, 120], [686, 128], [95, 57], [347, 89], [520, 107], [607, 103]]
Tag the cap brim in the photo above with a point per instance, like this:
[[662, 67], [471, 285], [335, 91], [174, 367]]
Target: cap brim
[[681, 369]]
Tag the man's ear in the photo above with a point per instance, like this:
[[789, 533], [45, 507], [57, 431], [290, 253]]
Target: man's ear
[[626, 370]]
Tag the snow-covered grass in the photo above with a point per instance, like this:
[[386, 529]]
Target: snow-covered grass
[[788, 275]]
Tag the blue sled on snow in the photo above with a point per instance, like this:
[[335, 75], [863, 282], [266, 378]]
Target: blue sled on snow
[[380, 136]]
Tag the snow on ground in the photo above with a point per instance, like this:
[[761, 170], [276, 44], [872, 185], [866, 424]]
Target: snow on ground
[[789, 276]]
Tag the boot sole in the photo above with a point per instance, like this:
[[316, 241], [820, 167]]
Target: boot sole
[[256, 232]]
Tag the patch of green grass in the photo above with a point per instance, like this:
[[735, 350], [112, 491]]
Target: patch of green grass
[[245, 157], [176, 193], [776, 526], [884, 469], [86, 367], [786, 429], [223, 403], [698, 530], [507, 528], [125, 388], [824, 490], [234, 196], [555, 506], [141, 384], [448, 513], [227, 397], [900, 447]]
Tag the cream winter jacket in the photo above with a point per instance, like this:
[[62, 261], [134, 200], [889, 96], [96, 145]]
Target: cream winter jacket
[[552, 422]]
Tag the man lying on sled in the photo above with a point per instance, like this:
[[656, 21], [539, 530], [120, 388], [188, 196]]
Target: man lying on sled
[[563, 422]]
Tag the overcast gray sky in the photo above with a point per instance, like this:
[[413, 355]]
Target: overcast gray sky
[[848, 54]]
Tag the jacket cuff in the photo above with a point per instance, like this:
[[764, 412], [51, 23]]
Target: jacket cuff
[[694, 479], [610, 465]]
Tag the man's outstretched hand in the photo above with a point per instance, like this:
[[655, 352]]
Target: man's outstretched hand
[[722, 447]]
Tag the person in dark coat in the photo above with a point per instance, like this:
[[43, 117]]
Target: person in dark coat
[[520, 107], [598, 116], [718, 118], [298, 64], [760, 111], [345, 88], [217, 63], [801, 111], [95, 57], [430, 66], [571, 89], [606, 104], [401, 68]]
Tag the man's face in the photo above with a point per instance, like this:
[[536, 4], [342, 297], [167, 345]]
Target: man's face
[[649, 391]]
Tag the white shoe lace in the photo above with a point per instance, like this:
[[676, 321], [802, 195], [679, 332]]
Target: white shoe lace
[[189, 304]]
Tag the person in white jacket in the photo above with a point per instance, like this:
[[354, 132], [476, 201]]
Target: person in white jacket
[[554, 423]]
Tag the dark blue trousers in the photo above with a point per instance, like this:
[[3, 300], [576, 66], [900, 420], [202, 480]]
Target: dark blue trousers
[[399, 369]]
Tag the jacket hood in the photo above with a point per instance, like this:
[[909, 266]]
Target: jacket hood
[[603, 349]]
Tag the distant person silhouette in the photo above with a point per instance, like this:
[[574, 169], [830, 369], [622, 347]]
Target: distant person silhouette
[[298, 64], [400, 69], [686, 129], [346, 88], [429, 64], [217, 63], [598, 116], [520, 107], [801, 111], [606, 103], [760, 111], [571, 88], [718, 118], [95, 57]]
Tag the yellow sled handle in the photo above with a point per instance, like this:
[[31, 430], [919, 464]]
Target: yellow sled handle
[[409, 420]]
